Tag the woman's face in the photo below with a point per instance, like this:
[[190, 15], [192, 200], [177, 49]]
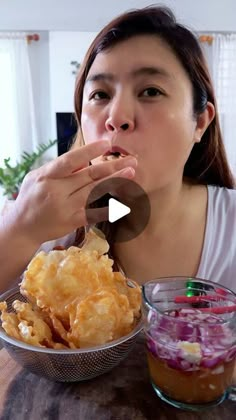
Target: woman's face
[[138, 95]]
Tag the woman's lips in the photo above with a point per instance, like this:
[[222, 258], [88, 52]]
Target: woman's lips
[[116, 152]]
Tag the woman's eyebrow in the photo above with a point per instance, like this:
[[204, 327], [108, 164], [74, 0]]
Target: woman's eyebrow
[[97, 77], [149, 71]]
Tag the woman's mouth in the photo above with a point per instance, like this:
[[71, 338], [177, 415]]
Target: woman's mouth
[[115, 153]]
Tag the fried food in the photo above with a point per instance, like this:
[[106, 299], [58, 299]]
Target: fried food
[[60, 280], [9, 322], [95, 240], [74, 299], [27, 325], [132, 292], [101, 317]]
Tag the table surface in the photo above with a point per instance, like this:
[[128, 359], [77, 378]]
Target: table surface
[[124, 393]]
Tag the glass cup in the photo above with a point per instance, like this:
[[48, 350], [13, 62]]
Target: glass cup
[[190, 329]]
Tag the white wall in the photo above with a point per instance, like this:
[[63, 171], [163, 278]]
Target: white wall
[[91, 15], [65, 47]]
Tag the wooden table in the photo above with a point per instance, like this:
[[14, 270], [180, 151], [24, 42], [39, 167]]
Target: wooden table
[[124, 393]]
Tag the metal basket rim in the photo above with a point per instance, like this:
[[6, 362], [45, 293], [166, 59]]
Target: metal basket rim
[[5, 338]]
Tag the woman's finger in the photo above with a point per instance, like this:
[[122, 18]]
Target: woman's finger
[[92, 192], [97, 172], [74, 160], [84, 217]]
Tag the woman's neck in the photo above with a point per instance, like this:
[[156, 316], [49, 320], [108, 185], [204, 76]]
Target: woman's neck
[[167, 207], [171, 243]]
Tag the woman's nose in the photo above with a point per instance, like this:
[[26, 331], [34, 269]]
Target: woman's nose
[[111, 125], [120, 119]]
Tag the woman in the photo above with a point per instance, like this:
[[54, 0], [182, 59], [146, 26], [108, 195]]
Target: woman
[[143, 87]]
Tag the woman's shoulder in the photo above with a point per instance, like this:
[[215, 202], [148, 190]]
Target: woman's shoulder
[[221, 218], [218, 260], [222, 198]]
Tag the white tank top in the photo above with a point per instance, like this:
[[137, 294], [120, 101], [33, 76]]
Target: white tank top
[[218, 259]]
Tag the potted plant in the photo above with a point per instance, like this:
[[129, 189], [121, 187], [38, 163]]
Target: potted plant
[[11, 177]]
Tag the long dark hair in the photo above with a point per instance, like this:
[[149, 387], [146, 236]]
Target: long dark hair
[[207, 163]]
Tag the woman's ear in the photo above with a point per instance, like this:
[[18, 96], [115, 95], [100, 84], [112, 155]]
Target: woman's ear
[[203, 121]]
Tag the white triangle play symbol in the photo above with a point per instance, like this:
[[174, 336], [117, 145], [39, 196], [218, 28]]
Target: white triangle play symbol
[[116, 210]]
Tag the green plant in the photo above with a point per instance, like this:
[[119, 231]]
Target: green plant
[[11, 177]]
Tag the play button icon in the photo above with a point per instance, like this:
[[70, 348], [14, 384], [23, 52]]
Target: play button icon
[[124, 206], [116, 210]]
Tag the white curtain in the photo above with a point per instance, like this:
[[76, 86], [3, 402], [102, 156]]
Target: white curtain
[[18, 130], [224, 74], [221, 56]]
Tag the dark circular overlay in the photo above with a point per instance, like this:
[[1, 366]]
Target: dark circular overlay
[[128, 193]]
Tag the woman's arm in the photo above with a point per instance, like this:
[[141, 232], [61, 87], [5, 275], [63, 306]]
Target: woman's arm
[[16, 250]]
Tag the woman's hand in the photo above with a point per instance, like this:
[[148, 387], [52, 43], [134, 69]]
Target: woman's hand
[[52, 199]]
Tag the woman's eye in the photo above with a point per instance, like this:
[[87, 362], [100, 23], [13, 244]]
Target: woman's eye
[[99, 95], [151, 92]]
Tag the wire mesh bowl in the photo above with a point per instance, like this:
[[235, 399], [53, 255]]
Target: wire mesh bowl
[[66, 365]]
